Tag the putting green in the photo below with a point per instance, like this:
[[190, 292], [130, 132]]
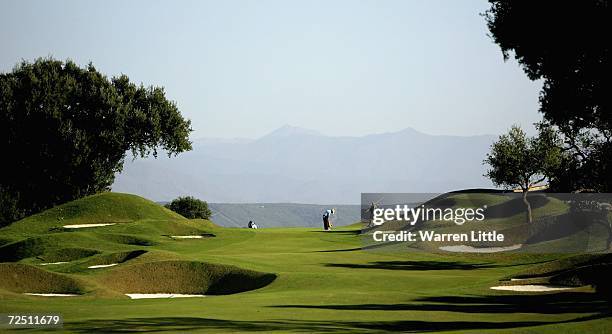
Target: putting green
[[323, 283]]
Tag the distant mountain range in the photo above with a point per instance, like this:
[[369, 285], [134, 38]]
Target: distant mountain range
[[295, 165]]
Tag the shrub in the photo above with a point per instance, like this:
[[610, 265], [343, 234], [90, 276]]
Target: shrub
[[190, 207]]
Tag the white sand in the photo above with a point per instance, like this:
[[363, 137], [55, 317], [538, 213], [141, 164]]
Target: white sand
[[530, 288], [160, 295], [52, 263], [470, 249], [186, 236], [102, 266], [87, 225], [51, 294]]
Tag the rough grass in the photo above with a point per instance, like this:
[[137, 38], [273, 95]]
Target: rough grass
[[4, 241], [594, 274], [47, 247], [186, 277], [119, 257], [127, 239], [563, 264], [67, 254], [25, 278]]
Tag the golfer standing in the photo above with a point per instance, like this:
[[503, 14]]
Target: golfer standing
[[327, 218]]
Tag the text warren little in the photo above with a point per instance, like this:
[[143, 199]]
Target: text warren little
[[393, 236]]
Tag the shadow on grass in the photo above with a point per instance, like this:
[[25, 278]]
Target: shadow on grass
[[348, 232], [516, 206], [542, 304], [414, 265], [340, 250], [186, 324]]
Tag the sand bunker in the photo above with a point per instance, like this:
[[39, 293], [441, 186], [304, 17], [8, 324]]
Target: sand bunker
[[87, 225], [186, 237], [530, 288], [470, 249], [102, 266], [160, 295], [52, 263], [51, 294]]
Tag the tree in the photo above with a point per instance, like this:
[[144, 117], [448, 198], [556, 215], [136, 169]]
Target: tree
[[519, 161], [566, 44], [190, 207], [67, 129]]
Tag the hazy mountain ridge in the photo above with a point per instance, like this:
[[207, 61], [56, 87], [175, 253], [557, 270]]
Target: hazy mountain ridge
[[299, 165]]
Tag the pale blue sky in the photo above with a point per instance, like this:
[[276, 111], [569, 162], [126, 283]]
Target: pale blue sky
[[243, 68]]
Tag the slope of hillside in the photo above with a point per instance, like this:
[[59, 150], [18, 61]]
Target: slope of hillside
[[83, 237]]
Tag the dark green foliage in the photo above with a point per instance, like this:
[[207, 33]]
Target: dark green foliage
[[190, 207], [564, 44], [67, 129], [518, 161]]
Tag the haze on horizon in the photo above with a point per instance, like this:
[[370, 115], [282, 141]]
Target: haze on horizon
[[243, 69]]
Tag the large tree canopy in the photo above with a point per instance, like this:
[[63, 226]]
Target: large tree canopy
[[67, 130], [518, 161], [566, 44]]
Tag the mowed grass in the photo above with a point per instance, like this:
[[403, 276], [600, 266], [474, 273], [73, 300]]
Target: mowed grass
[[324, 283], [186, 277]]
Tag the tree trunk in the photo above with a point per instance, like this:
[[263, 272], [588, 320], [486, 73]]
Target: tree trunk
[[529, 217], [609, 246]]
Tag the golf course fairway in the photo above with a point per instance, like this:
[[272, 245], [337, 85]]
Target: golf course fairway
[[274, 279]]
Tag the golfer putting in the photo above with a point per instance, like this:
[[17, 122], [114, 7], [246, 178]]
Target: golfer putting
[[327, 223]]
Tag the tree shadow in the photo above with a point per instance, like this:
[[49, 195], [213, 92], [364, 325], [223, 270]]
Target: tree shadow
[[339, 250], [516, 205], [414, 265], [559, 303], [186, 324], [348, 232]]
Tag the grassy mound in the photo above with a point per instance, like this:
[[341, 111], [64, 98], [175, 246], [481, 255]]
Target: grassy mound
[[205, 224], [101, 208], [67, 254], [24, 278], [160, 227], [23, 249], [126, 239], [4, 241], [596, 275], [564, 264], [185, 277], [118, 257], [49, 248]]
